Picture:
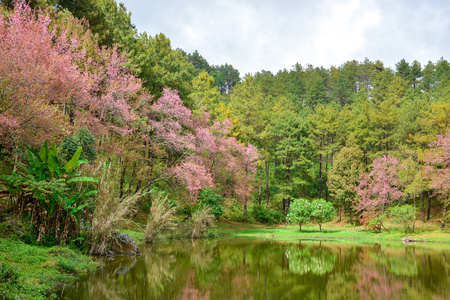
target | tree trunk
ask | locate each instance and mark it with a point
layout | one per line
(144, 153)
(245, 211)
(340, 208)
(122, 179)
(300, 224)
(133, 177)
(326, 178)
(429, 206)
(285, 206)
(267, 184)
(260, 186)
(444, 215)
(423, 207)
(275, 168)
(320, 176)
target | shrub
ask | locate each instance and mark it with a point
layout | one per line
(211, 198)
(404, 215)
(322, 211)
(267, 216)
(232, 211)
(83, 138)
(299, 212)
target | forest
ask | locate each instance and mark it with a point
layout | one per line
(101, 125)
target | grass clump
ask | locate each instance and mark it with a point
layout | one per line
(111, 212)
(203, 224)
(161, 218)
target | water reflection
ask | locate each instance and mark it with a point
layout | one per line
(256, 269)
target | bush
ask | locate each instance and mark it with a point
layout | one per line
(211, 198)
(322, 211)
(84, 139)
(404, 215)
(266, 216)
(233, 211)
(299, 212)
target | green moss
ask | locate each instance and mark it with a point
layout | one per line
(137, 236)
(34, 272)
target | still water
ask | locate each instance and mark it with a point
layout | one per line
(260, 269)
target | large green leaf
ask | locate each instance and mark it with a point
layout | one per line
(89, 194)
(78, 208)
(82, 179)
(44, 152)
(53, 163)
(32, 160)
(70, 201)
(71, 164)
(53, 166)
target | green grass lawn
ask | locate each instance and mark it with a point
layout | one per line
(36, 272)
(423, 232)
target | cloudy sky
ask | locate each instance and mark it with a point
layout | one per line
(255, 35)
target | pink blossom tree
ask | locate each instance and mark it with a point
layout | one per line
(438, 171)
(379, 188)
(36, 79)
(168, 120)
(206, 155)
(49, 82)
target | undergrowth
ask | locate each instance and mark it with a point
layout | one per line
(34, 272)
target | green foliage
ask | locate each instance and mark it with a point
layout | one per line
(377, 222)
(267, 216)
(42, 182)
(70, 144)
(8, 274)
(343, 176)
(299, 212)
(404, 215)
(322, 211)
(211, 198)
(232, 211)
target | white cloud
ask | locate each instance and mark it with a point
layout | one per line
(271, 35)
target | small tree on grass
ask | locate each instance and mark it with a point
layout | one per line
(322, 211)
(404, 215)
(299, 212)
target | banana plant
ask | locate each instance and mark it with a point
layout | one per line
(43, 177)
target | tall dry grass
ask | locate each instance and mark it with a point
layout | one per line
(110, 212)
(202, 223)
(161, 218)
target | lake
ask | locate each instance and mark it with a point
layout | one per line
(261, 269)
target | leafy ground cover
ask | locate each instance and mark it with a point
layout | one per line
(36, 272)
